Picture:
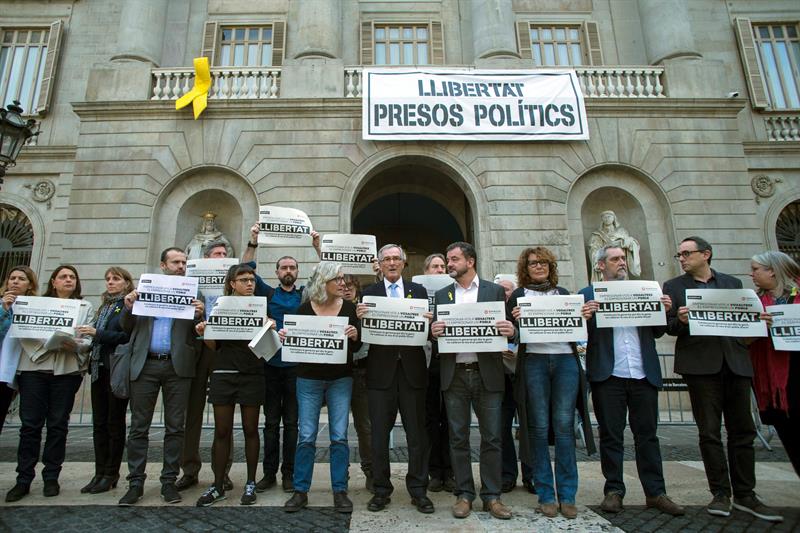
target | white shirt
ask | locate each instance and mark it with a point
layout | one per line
(400, 289)
(627, 353)
(467, 296)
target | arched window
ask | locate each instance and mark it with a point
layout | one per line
(787, 230)
(16, 239)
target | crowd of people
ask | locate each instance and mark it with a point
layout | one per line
(542, 383)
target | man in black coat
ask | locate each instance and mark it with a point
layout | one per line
(397, 377)
(718, 373)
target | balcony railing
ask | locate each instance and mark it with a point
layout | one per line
(605, 82)
(783, 127)
(226, 83)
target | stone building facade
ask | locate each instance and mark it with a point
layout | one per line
(692, 108)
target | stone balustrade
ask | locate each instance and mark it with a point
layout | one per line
(226, 83)
(601, 82)
(783, 127)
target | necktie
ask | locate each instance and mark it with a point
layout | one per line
(393, 291)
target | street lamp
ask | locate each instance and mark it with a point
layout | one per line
(14, 132)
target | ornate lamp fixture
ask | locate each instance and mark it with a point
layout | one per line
(14, 132)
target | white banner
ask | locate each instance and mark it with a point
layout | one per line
(629, 303)
(472, 105)
(471, 327)
(210, 274)
(725, 313)
(283, 226)
(165, 296)
(354, 252)
(785, 330)
(432, 283)
(395, 321)
(315, 339)
(236, 318)
(39, 317)
(553, 318)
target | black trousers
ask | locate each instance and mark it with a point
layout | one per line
(510, 469)
(108, 426)
(6, 396)
(713, 396)
(383, 407)
(613, 399)
(436, 424)
(280, 403)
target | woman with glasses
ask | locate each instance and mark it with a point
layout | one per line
(776, 373)
(237, 377)
(549, 380)
(332, 383)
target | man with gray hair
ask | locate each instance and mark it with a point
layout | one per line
(397, 377)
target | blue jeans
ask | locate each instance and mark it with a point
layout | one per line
(310, 393)
(552, 390)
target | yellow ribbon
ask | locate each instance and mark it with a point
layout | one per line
(198, 96)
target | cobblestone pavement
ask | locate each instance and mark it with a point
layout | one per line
(641, 520)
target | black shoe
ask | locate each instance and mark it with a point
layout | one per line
(249, 494)
(378, 503)
(227, 484)
(170, 494)
(528, 484)
(210, 497)
(287, 484)
(508, 485)
(341, 503)
(51, 488)
(423, 504)
(17, 492)
(86, 489)
(105, 484)
(296, 502)
(185, 482)
(449, 484)
(435, 485)
(134, 494)
(265, 483)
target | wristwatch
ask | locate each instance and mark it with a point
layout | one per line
(251, 245)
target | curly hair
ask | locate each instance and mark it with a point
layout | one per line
(543, 254)
(320, 276)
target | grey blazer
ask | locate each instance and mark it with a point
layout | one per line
(490, 363)
(140, 328)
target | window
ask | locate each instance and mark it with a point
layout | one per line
(247, 45)
(401, 43)
(27, 65)
(779, 54)
(559, 45)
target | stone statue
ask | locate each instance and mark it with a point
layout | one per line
(611, 233)
(208, 233)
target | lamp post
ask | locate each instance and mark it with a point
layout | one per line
(14, 132)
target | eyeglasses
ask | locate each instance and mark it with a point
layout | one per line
(395, 258)
(339, 280)
(685, 254)
(245, 281)
(538, 263)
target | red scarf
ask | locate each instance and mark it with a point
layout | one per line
(770, 368)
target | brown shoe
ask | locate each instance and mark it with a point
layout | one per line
(612, 503)
(568, 510)
(665, 505)
(462, 508)
(497, 509)
(550, 510)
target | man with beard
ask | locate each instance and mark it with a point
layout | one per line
(281, 399)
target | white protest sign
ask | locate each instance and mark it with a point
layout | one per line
(266, 343)
(725, 313)
(551, 318)
(472, 105)
(354, 252)
(471, 327)
(432, 283)
(236, 318)
(315, 339)
(39, 317)
(165, 296)
(629, 303)
(283, 226)
(785, 329)
(395, 321)
(210, 273)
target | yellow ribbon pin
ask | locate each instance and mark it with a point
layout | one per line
(198, 96)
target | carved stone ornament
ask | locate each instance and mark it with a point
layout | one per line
(43, 191)
(763, 186)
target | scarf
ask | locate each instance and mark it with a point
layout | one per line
(103, 316)
(540, 287)
(771, 366)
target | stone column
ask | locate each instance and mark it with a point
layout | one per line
(493, 29)
(315, 29)
(666, 29)
(141, 31)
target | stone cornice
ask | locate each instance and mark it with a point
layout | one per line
(771, 148)
(30, 154)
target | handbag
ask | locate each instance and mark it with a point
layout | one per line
(120, 362)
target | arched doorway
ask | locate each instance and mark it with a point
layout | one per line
(787, 230)
(16, 239)
(414, 205)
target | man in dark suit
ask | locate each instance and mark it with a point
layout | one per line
(718, 373)
(623, 369)
(163, 359)
(473, 380)
(397, 376)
